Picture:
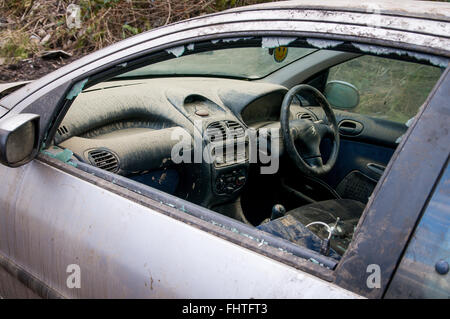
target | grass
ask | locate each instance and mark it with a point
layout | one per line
(103, 22)
(16, 45)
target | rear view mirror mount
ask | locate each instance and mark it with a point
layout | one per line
(19, 139)
(342, 95)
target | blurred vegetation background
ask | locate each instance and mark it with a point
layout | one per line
(28, 27)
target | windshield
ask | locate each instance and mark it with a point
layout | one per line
(250, 63)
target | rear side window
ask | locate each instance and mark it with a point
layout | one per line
(389, 89)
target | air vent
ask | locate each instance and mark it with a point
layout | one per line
(219, 131)
(104, 159)
(228, 144)
(235, 129)
(306, 116)
(216, 132)
(62, 130)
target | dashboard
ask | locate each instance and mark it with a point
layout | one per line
(131, 127)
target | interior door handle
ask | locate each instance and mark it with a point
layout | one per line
(350, 127)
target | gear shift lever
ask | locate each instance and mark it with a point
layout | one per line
(278, 211)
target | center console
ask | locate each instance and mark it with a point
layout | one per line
(228, 147)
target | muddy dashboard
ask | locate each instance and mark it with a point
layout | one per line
(132, 127)
(138, 120)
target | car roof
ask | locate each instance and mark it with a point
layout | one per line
(407, 8)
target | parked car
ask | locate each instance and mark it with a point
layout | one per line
(283, 150)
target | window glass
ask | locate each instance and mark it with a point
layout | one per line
(389, 89)
(251, 63)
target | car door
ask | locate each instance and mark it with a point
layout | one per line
(423, 270)
(62, 236)
(66, 232)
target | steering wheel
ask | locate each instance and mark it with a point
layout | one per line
(308, 134)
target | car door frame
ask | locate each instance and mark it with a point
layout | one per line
(351, 273)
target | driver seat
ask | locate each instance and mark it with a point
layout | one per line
(293, 223)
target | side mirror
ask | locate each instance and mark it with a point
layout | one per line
(19, 139)
(342, 95)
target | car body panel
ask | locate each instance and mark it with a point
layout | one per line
(416, 276)
(416, 9)
(51, 217)
(7, 88)
(12, 287)
(3, 111)
(154, 256)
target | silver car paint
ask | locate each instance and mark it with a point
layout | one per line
(127, 250)
(50, 219)
(4, 87)
(3, 111)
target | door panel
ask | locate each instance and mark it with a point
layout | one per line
(124, 249)
(364, 153)
(369, 129)
(362, 156)
(353, 176)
